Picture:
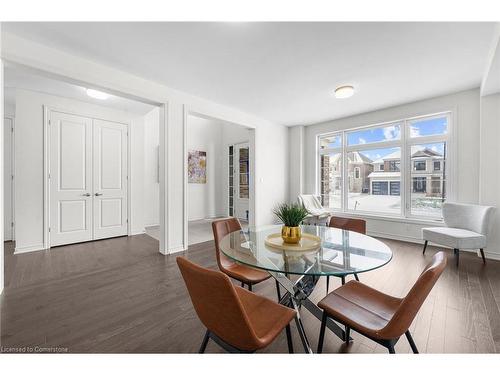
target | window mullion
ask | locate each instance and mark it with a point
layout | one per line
(374, 145)
(405, 172)
(344, 190)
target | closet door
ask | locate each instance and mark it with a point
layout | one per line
(70, 178)
(110, 179)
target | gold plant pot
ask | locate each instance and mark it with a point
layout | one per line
(291, 234)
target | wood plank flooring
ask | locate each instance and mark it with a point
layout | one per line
(120, 295)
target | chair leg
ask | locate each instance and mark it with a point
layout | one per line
(289, 338)
(356, 277)
(322, 332)
(327, 284)
(482, 255)
(204, 342)
(347, 334)
(425, 246)
(457, 255)
(343, 280)
(242, 284)
(411, 342)
(390, 347)
(278, 290)
(250, 287)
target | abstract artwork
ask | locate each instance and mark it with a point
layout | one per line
(197, 167)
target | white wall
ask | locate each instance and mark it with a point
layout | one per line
(1, 179)
(136, 178)
(204, 200)
(9, 110)
(213, 136)
(151, 178)
(270, 139)
(29, 162)
(465, 108)
(490, 167)
(296, 160)
(489, 182)
(271, 171)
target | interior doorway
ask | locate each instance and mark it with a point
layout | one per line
(239, 181)
(218, 172)
(78, 162)
(87, 178)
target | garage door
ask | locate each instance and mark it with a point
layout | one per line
(394, 187)
(380, 188)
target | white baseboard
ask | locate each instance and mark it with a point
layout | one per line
(136, 232)
(176, 249)
(490, 255)
(391, 236)
(28, 249)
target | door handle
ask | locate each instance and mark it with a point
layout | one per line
(86, 195)
(98, 194)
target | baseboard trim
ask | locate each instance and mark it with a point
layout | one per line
(28, 249)
(176, 249)
(395, 237)
(490, 255)
(135, 233)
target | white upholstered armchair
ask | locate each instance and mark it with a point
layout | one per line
(466, 228)
(318, 215)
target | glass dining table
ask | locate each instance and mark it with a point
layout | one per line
(341, 253)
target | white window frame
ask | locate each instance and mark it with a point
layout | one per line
(404, 143)
(450, 155)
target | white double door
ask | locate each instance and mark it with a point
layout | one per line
(87, 179)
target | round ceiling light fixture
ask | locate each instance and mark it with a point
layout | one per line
(97, 94)
(343, 92)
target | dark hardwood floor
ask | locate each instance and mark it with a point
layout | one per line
(120, 295)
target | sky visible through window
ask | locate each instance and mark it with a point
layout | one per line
(434, 126)
(366, 136)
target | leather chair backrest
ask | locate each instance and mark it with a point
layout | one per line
(467, 216)
(221, 228)
(410, 305)
(217, 304)
(356, 225)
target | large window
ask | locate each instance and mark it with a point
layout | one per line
(395, 169)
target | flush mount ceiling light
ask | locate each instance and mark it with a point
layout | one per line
(97, 94)
(343, 92)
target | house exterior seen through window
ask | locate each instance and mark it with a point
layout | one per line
(396, 169)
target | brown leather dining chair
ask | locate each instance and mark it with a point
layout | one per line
(238, 320)
(376, 315)
(355, 225)
(246, 275)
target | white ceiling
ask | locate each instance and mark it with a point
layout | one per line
(21, 79)
(285, 72)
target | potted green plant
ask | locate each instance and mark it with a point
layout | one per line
(292, 216)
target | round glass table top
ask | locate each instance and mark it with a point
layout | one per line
(342, 252)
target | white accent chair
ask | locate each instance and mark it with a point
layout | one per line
(318, 215)
(466, 228)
